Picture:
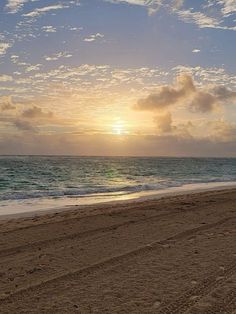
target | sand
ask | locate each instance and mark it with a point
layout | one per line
(172, 255)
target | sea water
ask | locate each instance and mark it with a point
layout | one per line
(29, 183)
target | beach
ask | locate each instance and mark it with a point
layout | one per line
(118, 157)
(176, 254)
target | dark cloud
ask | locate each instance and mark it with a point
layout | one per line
(164, 122)
(167, 95)
(24, 125)
(152, 145)
(222, 130)
(36, 113)
(185, 92)
(173, 145)
(223, 93)
(202, 102)
(6, 104)
(166, 126)
(28, 120)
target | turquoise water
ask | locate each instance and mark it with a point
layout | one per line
(27, 177)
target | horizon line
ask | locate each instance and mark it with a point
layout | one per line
(113, 156)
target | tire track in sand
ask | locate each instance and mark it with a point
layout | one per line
(176, 307)
(191, 297)
(77, 235)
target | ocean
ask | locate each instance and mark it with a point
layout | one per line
(37, 182)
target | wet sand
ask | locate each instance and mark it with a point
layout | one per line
(172, 255)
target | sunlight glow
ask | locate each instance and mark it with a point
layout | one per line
(119, 127)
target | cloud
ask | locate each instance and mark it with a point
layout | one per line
(151, 5)
(87, 88)
(196, 50)
(24, 125)
(13, 6)
(185, 92)
(228, 7)
(131, 145)
(93, 37)
(208, 75)
(178, 3)
(167, 95)
(36, 113)
(7, 106)
(57, 56)
(25, 116)
(5, 78)
(222, 131)
(49, 29)
(198, 18)
(164, 122)
(205, 17)
(202, 102)
(35, 67)
(39, 11)
(3, 48)
(165, 126)
(14, 58)
(27, 120)
(201, 15)
(6, 103)
(224, 93)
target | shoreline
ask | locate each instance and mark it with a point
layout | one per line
(174, 253)
(47, 206)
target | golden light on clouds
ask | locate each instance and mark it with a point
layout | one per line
(105, 87)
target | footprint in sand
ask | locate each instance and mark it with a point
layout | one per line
(191, 239)
(193, 282)
(194, 297)
(166, 246)
(157, 304)
(206, 303)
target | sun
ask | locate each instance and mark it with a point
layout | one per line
(118, 127)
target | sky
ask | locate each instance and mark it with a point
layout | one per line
(113, 77)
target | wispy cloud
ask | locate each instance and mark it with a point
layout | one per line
(228, 6)
(202, 17)
(57, 56)
(34, 67)
(39, 11)
(94, 37)
(202, 20)
(49, 29)
(151, 5)
(198, 18)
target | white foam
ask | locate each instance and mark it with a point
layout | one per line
(30, 207)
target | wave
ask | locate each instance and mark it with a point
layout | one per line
(103, 190)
